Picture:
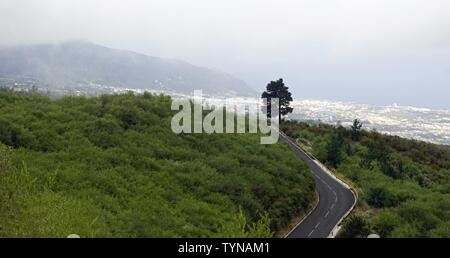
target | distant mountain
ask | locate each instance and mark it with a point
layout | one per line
(76, 63)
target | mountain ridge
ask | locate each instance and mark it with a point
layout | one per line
(74, 63)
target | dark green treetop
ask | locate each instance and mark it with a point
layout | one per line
(277, 89)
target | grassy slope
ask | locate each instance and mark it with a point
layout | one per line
(111, 166)
(409, 197)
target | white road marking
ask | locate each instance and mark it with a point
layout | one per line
(317, 225)
(322, 169)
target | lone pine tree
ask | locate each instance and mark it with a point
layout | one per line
(277, 89)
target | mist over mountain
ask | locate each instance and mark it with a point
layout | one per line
(77, 63)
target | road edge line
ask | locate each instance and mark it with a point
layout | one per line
(306, 216)
(336, 228)
(317, 193)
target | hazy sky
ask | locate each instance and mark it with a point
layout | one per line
(379, 52)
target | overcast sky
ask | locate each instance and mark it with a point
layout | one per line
(369, 51)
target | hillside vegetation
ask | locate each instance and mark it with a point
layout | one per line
(111, 166)
(403, 185)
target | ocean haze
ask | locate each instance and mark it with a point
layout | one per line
(425, 124)
(431, 125)
(370, 51)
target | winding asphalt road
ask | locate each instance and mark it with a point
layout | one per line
(335, 199)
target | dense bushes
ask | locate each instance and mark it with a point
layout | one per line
(404, 185)
(111, 166)
(354, 226)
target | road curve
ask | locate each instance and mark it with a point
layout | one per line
(335, 199)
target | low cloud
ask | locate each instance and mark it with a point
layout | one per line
(256, 39)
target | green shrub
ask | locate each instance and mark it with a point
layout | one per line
(404, 184)
(111, 166)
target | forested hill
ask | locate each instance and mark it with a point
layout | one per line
(111, 166)
(403, 185)
(79, 65)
